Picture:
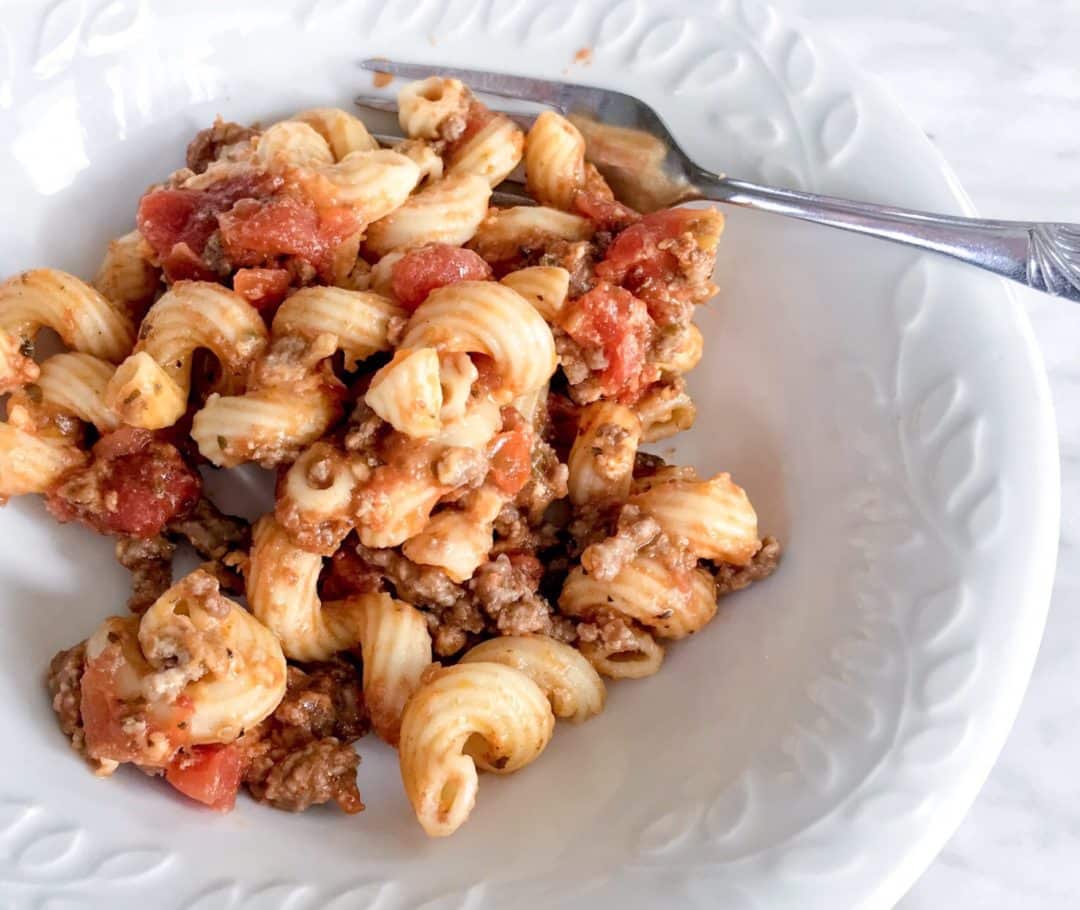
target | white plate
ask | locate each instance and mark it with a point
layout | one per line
(888, 413)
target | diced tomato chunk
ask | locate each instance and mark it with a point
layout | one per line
(252, 230)
(178, 223)
(208, 774)
(107, 718)
(637, 248)
(262, 288)
(135, 485)
(665, 259)
(256, 232)
(510, 453)
(421, 271)
(618, 323)
(103, 711)
(260, 219)
(169, 217)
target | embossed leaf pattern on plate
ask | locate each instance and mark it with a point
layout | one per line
(112, 25)
(129, 865)
(941, 438)
(838, 128)
(58, 37)
(617, 24)
(48, 848)
(703, 75)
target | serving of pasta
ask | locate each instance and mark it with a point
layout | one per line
(465, 538)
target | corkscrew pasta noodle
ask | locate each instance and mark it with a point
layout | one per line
(601, 459)
(554, 161)
(150, 388)
(48, 298)
(475, 715)
(425, 106)
(360, 320)
(343, 132)
(545, 287)
(126, 277)
(638, 658)
(715, 516)
(216, 654)
(483, 317)
(573, 687)
(445, 211)
(282, 589)
(492, 153)
(670, 604)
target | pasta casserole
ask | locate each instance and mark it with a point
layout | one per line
(466, 538)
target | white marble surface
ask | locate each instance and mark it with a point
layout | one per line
(997, 87)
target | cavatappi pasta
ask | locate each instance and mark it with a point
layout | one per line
(545, 287)
(601, 461)
(343, 132)
(292, 399)
(359, 320)
(445, 211)
(554, 161)
(492, 152)
(570, 682)
(46, 298)
(464, 538)
(473, 716)
(150, 389)
(126, 277)
(492, 320)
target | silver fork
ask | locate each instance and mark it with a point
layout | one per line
(633, 149)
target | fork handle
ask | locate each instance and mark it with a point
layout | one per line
(1042, 255)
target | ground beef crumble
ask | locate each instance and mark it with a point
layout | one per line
(507, 594)
(302, 755)
(502, 598)
(547, 481)
(731, 578)
(150, 562)
(65, 685)
(209, 143)
(578, 258)
(613, 632)
(424, 586)
(221, 540)
(306, 775)
(606, 558)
